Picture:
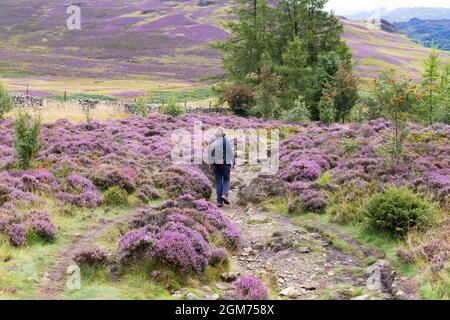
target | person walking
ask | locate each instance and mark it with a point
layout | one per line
(221, 158)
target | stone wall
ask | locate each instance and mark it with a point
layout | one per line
(37, 102)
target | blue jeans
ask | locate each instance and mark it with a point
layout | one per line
(222, 175)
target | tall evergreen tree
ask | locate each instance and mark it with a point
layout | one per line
(251, 37)
(430, 84)
(299, 40)
(346, 85)
(444, 88)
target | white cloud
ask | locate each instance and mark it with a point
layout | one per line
(353, 6)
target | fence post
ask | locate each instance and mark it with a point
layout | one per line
(185, 103)
(65, 96)
(210, 104)
(28, 90)
(162, 105)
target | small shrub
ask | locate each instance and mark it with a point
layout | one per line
(350, 146)
(312, 200)
(327, 110)
(42, 226)
(178, 180)
(147, 193)
(251, 288)
(178, 250)
(172, 109)
(26, 142)
(125, 178)
(299, 113)
(218, 257)
(240, 99)
(140, 107)
(91, 257)
(17, 235)
(397, 211)
(115, 196)
(87, 114)
(6, 102)
(325, 179)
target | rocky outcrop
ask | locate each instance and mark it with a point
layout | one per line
(261, 188)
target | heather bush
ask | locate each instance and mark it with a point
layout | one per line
(397, 211)
(312, 200)
(179, 180)
(17, 235)
(27, 132)
(218, 257)
(91, 257)
(135, 244)
(125, 178)
(147, 193)
(6, 102)
(176, 250)
(172, 108)
(115, 196)
(250, 288)
(78, 191)
(178, 234)
(42, 227)
(240, 99)
(302, 170)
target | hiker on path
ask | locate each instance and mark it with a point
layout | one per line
(221, 158)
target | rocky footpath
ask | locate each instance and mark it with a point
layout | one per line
(299, 262)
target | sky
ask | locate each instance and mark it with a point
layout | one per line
(342, 7)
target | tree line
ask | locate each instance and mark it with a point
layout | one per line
(288, 61)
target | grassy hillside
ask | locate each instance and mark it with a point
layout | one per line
(376, 50)
(129, 48)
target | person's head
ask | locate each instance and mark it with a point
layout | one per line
(220, 133)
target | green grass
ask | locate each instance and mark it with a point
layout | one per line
(96, 284)
(83, 96)
(387, 245)
(436, 290)
(197, 94)
(13, 75)
(21, 269)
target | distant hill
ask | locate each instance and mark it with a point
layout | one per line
(152, 40)
(403, 14)
(406, 14)
(376, 50)
(427, 32)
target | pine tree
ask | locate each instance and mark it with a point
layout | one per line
(295, 39)
(444, 88)
(430, 84)
(6, 102)
(251, 37)
(327, 110)
(346, 87)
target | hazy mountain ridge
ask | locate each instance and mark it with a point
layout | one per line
(403, 14)
(428, 32)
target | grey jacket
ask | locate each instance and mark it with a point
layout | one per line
(215, 152)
